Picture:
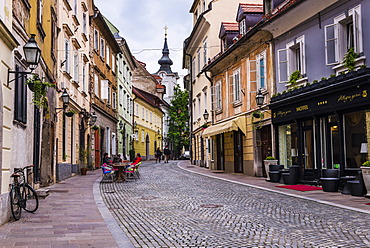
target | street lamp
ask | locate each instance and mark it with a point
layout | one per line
(65, 98)
(205, 115)
(32, 52)
(259, 98)
(93, 118)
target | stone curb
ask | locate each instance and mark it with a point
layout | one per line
(119, 236)
(276, 191)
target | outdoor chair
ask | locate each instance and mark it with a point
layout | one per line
(133, 172)
(330, 180)
(108, 174)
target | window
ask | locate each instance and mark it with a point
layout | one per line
(66, 55)
(105, 90)
(142, 136)
(120, 96)
(199, 107)
(194, 110)
(343, 34)
(216, 99)
(39, 11)
(261, 70)
(96, 40)
(205, 98)
(84, 78)
(151, 117)
(75, 66)
(291, 59)
(124, 100)
(147, 116)
(96, 84)
(193, 69)
(20, 97)
(128, 103)
(114, 99)
(108, 56)
(109, 96)
(136, 109)
(205, 52)
(242, 27)
(199, 61)
(131, 107)
(142, 113)
(84, 23)
(234, 82)
(75, 7)
(102, 48)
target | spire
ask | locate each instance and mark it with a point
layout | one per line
(165, 61)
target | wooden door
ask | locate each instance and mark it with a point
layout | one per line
(97, 148)
(238, 151)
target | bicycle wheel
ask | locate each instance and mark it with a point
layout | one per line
(31, 199)
(15, 203)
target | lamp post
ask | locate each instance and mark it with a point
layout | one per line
(205, 115)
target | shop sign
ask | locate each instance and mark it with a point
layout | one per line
(322, 104)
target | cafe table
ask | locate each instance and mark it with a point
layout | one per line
(120, 166)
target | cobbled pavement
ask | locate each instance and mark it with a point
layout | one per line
(170, 207)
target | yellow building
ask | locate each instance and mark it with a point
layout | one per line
(148, 123)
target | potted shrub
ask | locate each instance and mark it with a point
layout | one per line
(269, 160)
(39, 89)
(69, 113)
(84, 171)
(365, 168)
(95, 127)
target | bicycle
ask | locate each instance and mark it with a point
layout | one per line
(22, 195)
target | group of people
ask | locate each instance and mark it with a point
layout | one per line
(108, 163)
(166, 153)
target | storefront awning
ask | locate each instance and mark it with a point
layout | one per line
(231, 125)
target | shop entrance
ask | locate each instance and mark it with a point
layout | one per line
(266, 145)
(220, 152)
(308, 157)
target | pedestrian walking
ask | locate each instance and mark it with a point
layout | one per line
(158, 155)
(167, 154)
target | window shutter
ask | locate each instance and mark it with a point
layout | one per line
(219, 96)
(331, 44)
(237, 86)
(231, 88)
(253, 75)
(104, 89)
(302, 56)
(283, 65)
(96, 85)
(357, 30)
(75, 69)
(213, 98)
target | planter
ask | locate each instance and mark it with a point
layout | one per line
(31, 86)
(267, 167)
(84, 171)
(366, 177)
(69, 114)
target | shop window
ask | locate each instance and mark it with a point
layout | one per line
(288, 144)
(357, 131)
(344, 33)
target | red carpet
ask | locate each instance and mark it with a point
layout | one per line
(367, 203)
(300, 187)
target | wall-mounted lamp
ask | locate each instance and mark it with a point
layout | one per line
(259, 98)
(65, 100)
(121, 125)
(93, 118)
(205, 115)
(32, 54)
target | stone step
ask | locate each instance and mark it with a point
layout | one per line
(43, 193)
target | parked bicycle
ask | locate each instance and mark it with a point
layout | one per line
(22, 195)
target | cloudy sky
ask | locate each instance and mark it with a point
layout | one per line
(142, 22)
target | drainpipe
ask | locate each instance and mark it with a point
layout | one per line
(211, 81)
(191, 108)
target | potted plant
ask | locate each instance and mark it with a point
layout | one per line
(365, 168)
(95, 127)
(39, 89)
(84, 171)
(269, 160)
(69, 113)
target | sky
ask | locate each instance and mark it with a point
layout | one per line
(142, 22)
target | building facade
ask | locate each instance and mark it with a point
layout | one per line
(240, 128)
(202, 44)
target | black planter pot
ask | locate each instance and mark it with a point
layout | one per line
(256, 115)
(31, 86)
(69, 114)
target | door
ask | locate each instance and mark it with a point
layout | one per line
(220, 152)
(238, 151)
(36, 144)
(202, 159)
(308, 157)
(82, 151)
(266, 145)
(97, 149)
(147, 141)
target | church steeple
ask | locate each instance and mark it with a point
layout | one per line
(165, 61)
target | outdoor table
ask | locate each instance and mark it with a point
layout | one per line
(344, 180)
(120, 166)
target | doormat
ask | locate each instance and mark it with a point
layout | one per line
(300, 187)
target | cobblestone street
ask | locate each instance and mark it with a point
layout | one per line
(170, 207)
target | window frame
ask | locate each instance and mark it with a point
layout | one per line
(259, 57)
